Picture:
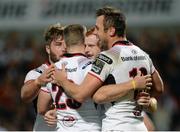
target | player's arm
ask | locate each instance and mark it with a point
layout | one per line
(158, 86)
(44, 102)
(31, 88)
(44, 107)
(78, 92)
(148, 122)
(109, 93)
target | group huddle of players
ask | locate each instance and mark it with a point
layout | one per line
(90, 82)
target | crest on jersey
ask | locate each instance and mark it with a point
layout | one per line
(69, 121)
(105, 58)
(134, 51)
(38, 70)
(97, 66)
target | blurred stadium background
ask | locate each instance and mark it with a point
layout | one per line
(154, 25)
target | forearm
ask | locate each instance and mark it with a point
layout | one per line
(71, 89)
(44, 102)
(158, 86)
(43, 109)
(30, 91)
(109, 93)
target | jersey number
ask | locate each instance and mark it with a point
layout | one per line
(133, 73)
(71, 103)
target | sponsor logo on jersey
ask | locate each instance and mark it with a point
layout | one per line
(105, 58)
(133, 51)
(71, 69)
(97, 66)
(38, 70)
(69, 121)
(133, 58)
(90, 62)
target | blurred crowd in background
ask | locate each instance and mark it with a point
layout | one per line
(21, 52)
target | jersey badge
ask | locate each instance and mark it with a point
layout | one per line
(69, 121)
(97, 66)
(105, 58)
(38, 70)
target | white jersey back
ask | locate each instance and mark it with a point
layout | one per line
(118, 65)
(72, 115)
(39, 124)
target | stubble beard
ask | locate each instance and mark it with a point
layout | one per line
(54, 57)
(103, 44)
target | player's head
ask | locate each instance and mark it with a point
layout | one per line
(92, 45)
(74, 35)
(55, 46)
(110, 22)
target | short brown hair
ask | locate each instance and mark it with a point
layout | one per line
(74, 34)
(52, 32)
(113, 18)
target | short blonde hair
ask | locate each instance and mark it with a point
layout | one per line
(74, 34)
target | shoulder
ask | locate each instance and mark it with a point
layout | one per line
(109, 56)
(84, 63)
(36, 72)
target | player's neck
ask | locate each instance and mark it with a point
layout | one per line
(114, 39)
(76, 49)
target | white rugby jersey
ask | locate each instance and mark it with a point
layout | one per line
(39, 124)
(72, 115)
(117, 65)
(35, 73)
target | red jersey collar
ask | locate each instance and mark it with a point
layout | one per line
(73, 54)
(48, 63)
(123, 43)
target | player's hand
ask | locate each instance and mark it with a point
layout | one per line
(143, 82)
(153, 105)
(59, 75)
(45, 77)
(143, 99)
(50, 117)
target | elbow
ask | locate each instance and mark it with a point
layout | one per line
(99, 98)
(160, 89)
(24, 97)
(79, 99)
(41, 111)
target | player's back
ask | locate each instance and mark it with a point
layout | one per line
(126, 60)
(73, 115)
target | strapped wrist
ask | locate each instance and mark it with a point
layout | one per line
(133, 84)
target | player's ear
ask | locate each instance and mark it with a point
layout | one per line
(48, 49)
(112, 31)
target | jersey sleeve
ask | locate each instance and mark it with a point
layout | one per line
(152, 68)
(101, 67)
(32, 75)
(58, 64)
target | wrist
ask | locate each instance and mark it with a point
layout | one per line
(37, 82)
(133, 84)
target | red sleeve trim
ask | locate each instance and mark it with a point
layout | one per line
(44, 90)
(95, 76)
